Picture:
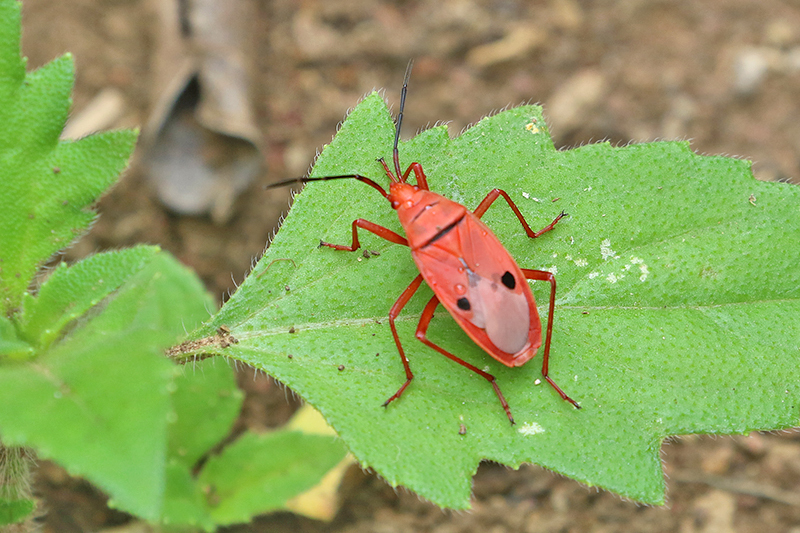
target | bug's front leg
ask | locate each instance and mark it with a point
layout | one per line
(380, 231)
(494, 194)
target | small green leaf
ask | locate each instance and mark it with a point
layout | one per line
(97, 401)
(48, 185)
(71, 290)
(12, 348)
(672, 268)
(259, 473)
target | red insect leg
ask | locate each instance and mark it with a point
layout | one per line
(380, 231)
(539, 275)
(495, 193)
(407, 294)
(422, 180)
(393, 313)
(401, 302)
(422, 329)
(542, 275)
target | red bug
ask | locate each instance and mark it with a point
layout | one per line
(470, 272)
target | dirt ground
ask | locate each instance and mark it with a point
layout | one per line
(724, 73)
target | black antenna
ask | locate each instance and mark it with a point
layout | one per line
(359, 177)
(403, 92)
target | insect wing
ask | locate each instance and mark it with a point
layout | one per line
(481, 286)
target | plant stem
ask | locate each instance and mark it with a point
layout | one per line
(15, 486)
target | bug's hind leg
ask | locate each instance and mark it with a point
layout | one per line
(543, 275)
(422, 329)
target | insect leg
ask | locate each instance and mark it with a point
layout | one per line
(542, 275)
(422, 329)
(380, 231)
(496, 193)
(422, 180)
(393, 312)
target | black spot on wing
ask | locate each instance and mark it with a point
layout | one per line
(508, 280)
(463, 304)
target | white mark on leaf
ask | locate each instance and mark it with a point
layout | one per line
(642, 267)
(530, 428)
(645, 272)
(606, 251)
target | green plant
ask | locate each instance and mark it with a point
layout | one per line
(83, 376)
(676, 273)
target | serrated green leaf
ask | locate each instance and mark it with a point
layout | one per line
(97, 401)
(72, 290)
(676, 274)
(48, 185)
(259, 473)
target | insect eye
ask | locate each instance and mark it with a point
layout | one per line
(463, 304)
(508, 280)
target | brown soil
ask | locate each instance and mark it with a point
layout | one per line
(624, 71)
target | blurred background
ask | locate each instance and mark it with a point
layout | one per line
(724, 74)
